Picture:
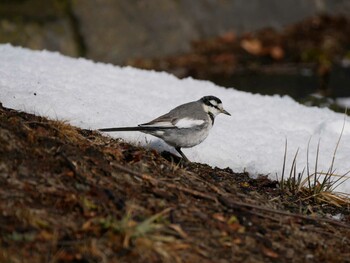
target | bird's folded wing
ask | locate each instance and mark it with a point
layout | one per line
(162, 124)
(188, 123)
(163, 121)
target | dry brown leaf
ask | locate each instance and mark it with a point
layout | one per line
(252, 46)
(269, 252)
(229, 37)
(237, 241)
(277, 53)
(219, 217)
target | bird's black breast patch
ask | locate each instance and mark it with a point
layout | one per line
(211, 115)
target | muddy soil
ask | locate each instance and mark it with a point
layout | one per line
(72, 195)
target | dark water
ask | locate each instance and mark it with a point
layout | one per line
(297, 83)
(296, 86)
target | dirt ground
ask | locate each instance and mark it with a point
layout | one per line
(72, 195)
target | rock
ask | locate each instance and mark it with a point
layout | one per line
(116, 31)
(38, 24)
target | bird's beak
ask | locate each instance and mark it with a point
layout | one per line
(225, 112)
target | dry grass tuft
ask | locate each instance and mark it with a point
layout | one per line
(318, 185)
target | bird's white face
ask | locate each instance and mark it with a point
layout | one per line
(214, 107)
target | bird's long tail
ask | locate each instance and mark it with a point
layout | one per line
(138, 128)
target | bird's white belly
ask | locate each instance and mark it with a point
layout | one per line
(185, 138)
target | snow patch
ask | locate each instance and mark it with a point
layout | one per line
(95, 95)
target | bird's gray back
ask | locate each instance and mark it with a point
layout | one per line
(191, 110)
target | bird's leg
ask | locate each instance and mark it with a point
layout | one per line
(178, 149)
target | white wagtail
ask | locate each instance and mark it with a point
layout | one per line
(184, 126)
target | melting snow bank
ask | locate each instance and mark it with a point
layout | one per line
(95, 95)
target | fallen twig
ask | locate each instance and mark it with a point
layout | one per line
(234, 204)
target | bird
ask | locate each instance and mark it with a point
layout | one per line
(185, 126)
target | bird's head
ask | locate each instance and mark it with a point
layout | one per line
(213, 105)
